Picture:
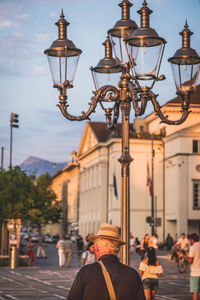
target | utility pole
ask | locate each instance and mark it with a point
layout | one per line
(2, 156)
(13, 123)
(152, 194)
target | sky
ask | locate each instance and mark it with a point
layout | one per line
(26, 88)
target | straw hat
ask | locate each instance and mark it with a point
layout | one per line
(107, 231)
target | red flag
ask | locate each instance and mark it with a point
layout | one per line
(149, 181)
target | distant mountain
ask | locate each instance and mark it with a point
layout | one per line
(38, 166)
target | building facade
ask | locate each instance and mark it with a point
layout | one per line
(170, 152)
(65, 184)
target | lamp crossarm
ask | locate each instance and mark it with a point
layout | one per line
(106, 93)
(164, 119)
(140, 110)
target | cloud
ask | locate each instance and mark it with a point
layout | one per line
(43, 37)
(38, 70)
(7, 23)
(22, 17)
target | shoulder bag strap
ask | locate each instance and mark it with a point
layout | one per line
(108, 281)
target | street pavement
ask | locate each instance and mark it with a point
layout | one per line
(46, 280)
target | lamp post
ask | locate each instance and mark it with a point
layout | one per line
(152, 187)
(138, 55)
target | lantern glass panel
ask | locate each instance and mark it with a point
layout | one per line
(119, 48)
(185, 76)
(101, 79)
(146, 60)
(63, 68)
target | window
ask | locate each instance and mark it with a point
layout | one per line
(141, 128)
(196, 146)
(196, 194)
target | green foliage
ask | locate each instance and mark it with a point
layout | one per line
(15, 191)
(27, 198)
(45, 209)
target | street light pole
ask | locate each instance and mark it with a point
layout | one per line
(11, 140)
(125, 161)
(2, 157)
(138, 56)
(13, 123)
(152, 188)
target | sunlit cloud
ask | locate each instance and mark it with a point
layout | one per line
(7, 23)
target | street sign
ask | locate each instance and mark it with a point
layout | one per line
(153, 221)
(149, 220)
(157, 222)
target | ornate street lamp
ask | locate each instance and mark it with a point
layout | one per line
(138, 56)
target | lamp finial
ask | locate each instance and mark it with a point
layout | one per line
(62, 14)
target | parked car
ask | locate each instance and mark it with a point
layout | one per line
(49, 238)
(35, 237)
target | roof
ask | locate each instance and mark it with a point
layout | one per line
(194, 100)
(103, 134)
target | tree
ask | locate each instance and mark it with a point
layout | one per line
(15, 193)
(45, 208)
(26, 198)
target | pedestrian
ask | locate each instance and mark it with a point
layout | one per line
(89, 256)
(169, 242)
(61, 251)
(132, 245)
(68, 249)
(80, 244)
(182, 243)
(41, 248)
(194, 260)
(150, 269)
(29, 248)
(144, 245)
(90, 282)
(154, 241)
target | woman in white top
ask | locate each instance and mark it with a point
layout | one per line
(61, 251)
(89, 256)
(150, 269)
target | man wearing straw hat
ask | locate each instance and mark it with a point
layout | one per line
(107, 279)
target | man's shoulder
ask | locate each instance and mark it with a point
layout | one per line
(128, 269)
(89, 270)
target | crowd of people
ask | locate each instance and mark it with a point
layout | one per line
(97, 248)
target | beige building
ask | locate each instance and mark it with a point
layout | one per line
(97, 154)
(176, 173)
(65, 185)
(90, 186)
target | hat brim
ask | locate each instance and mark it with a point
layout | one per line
(92, 238)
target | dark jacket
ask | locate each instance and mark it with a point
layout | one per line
(89, 283)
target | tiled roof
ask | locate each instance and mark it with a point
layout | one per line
(103, 134)
(194, 100)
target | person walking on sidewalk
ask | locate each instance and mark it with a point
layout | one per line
(108, 278)
(150, 269)
(30, 252)
(68, 249)
(41, 248)
(194, 260)
(61, 251)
